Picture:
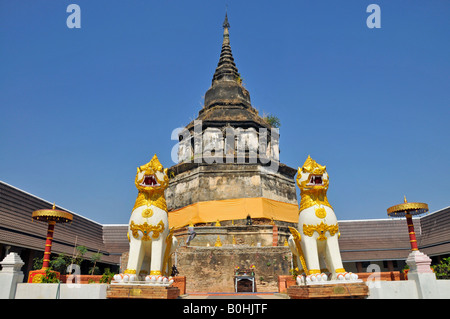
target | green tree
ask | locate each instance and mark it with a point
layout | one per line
(442, 270)
(272, 120)
(60, 263)
(107, 276)
(37, 263)
(79, 255)
(94, 258)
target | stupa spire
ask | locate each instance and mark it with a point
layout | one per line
(226, 68)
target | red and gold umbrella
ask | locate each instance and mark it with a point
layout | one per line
(51, 217)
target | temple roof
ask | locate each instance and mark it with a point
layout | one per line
(227, 100)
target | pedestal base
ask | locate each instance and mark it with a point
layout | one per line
(420, 271)
(358, 290)
(37, 276)
(419, 262)
(130, 291)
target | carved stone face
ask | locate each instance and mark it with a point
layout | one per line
(152, 177)
(312, 176)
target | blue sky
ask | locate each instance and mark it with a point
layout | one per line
(82, 108)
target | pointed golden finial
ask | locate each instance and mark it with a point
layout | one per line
(218, 223)
(53, 205)
(218, 242)
(404, 196)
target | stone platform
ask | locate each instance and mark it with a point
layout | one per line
(339, 290)
(137, 291)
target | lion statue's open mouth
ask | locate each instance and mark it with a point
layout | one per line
(152, 177)
(150, 181)
(315, 180)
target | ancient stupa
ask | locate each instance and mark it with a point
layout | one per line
(228, 159)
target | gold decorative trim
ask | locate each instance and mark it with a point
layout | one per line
(147, 213)
(309, 200)
(156, 199)
(37, 279)
(314, 271)
(130, 271)
(297, 238)
(146, 228)
(406, 208)
(321, 212)
(52, 215)
(166, 260)
(339, 270)
(321, 229)
(155, 273)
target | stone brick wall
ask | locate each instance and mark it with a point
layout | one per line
(193, 183)
(211, 269)
(262, 234)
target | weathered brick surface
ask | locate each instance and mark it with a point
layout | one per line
(211, 269)
(141, 292)
(329, 291)
(284, 282)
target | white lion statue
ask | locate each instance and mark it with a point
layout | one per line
(315, 244)
(151, 240)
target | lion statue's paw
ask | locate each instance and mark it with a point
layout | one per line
(346, 276)
(159, 280)
(125, 278)
(302, 279)
(316, 277)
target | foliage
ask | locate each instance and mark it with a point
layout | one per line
(94, 270)
(272, 120)
(50, 277)
(107, 276)
(78, 258)
(60, 263)
(37, 263)
(294, 272)
(239, 79)
(94, 258)
(442, 270)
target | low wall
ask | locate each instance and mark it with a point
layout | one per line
(285, 281)
(424, 286)
(387, 285)
(81, 279)
(82, 290)
(66, 291)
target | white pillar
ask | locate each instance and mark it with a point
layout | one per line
(420, 272)
(10, 275)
